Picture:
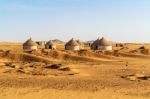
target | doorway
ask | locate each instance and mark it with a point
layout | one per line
(96, 48)
(50, 46)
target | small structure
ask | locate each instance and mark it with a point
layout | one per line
(41, 44)
(101, 44)
(50, 45)
(72, 45)
(30, 45)
(81, 44)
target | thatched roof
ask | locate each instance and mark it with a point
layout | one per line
(72, 42)
(102, 42)
(50, 43)
(95, 42)
(30, 42)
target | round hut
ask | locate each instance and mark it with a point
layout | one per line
(81, 44)
(41, 44)
(72, 45)
(101, 44)
(30, 45)
(50, 45)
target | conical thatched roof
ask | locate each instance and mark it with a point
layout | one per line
(72, 42)
(95, 42)
(102, 42)
(30, 42)
(50, 43)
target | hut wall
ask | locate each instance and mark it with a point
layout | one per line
(104, 47)
(41, 46)
(29, 48)
(72, 47)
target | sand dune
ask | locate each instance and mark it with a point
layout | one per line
(86, 74)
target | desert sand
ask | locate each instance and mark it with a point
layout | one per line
(123, 73)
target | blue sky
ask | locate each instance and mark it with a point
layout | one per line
(117, 20)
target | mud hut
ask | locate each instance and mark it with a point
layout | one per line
(50, 45)
(81, 44)
(72, 45)
(101, 44)
(41, 44)
(30, 45)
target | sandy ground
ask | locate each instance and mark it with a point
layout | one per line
(104, 77)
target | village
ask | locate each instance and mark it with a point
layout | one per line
(74, 49)
(99, 44)
(54, 68)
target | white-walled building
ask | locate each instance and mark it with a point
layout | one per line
(50, 45)
(30, 45)
(72, 45)
(101, 44)
(81, 44)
